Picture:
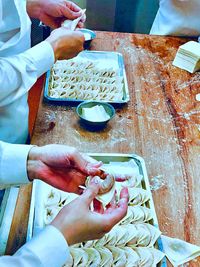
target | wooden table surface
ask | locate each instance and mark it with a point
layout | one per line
(161, 123)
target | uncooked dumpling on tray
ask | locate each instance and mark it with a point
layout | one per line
(107, 185)
(149, 257)
(94, 257)
(127, 171)
(133, 235)
(137, 214)
(119, 256)
(137, 196)
(76, 79)
(131, 242)
(54, 202)
(114, 256)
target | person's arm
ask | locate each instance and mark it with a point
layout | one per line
(13, 164)
(18, 73)
(61, 166)
(75, 223)
(48, 249)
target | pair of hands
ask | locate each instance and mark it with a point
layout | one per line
(53, 12)
(65, 168)
(65, 43)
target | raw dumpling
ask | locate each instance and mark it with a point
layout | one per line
(138, 196)
(144, 234)
(105, 198)
(106, 257)
(132, 258)
(127, 171)
(94, 258)
(119, 257)
(78, 75)
(72, 24)
(149, 257)
(137, 214)
(80, 257)
(53, 198)
(50, 214)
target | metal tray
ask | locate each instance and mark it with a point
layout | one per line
(36, 223)
(112, 59)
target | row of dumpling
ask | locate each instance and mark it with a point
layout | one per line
(85, 95)
(125, 170)
(84, 87)
(56, 199)
(131, 235)
(114, 257)
(106, 72)
(86, 64)
(135, 214)
(86, 79)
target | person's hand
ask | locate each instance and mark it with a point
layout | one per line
(53, 12)
(66, 44)
(61, 166)
(78, 223)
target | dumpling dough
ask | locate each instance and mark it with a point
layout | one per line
(95, 114)
(72, 24)
(105, 198)
(188, 57)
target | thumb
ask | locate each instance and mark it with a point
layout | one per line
(92, 191)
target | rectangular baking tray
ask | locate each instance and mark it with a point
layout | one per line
(36, 223)
(112, 59)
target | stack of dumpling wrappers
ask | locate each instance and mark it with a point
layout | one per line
(188, 57)
(128, 244)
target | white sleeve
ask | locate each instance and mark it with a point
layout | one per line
(13, 164)
(18, 73)
(48, 249)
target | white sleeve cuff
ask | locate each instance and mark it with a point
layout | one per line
(42, 55)
(13, 164)
(49, 246)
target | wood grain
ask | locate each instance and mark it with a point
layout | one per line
(161, 123)
(17, 236)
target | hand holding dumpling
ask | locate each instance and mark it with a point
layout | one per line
(78, 223)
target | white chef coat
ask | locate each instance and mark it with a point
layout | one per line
(19, 69)
(49, 248)
(177, 17)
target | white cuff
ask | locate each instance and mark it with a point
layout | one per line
(42, 56)
(49, 246)
(13, 164)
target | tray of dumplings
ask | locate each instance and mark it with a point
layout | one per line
(133, 242)
(92, 75)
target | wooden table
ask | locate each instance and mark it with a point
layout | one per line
(161, 123)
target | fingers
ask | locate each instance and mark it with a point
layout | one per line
(86, 164)
(91, 192)
(73, 6)
(124, 194)
(72, 11)
(114, 215)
